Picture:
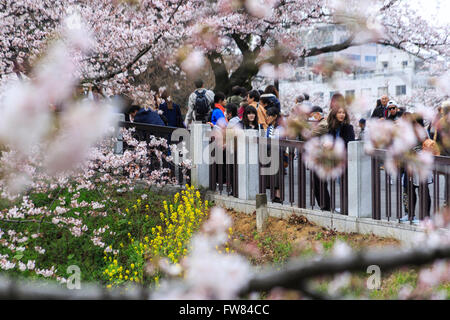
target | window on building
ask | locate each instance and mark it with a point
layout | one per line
(354, 57)
(382, 91)
(400, 90)
(404, 64)
(385, 64)
(332, 93)
(318, 95)
(370, 58)
(349, 94)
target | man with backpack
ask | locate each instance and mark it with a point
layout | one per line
(199, 104)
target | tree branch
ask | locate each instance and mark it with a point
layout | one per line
(299, 271)
(293, 276)
(331, 48)
(141, 53)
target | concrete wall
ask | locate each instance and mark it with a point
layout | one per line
(403, 232)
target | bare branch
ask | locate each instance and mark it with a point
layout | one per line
(298, 271)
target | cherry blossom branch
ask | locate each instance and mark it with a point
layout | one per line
(295, 272)
(141, 53)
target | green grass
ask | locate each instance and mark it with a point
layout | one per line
(63, 249)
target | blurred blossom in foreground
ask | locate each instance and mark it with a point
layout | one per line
(326, 156)
(401, 140)
(207, 273)
(260, 8)
(81, 127)
(282, 71)
(193, 63)
(36, 136)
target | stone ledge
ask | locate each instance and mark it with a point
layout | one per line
(401, 231)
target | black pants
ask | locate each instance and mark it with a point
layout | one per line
(427, 200)
(326, 196)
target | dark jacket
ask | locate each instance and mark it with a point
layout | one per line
(379, 112)
(174, 118)
(346, 132)
(148, 117)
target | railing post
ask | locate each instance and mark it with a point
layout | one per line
(118, 146)
(359, 181)
(261, 212)
(247, 156)
(198, 145)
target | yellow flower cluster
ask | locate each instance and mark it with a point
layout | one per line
(117, 274)
(180, 220)
(227, 244)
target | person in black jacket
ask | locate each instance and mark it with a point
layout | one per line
(171, 111)
(339, 125)
(380, 109)
(131, 113)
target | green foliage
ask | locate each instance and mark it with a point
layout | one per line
(282, 251)
(62, 247)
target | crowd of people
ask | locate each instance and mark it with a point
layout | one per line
(261, 110)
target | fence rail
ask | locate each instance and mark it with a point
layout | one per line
(297, 185)
(292, 165)
(406, 185)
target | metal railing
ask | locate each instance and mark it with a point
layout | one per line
(408, 190)
(224, 173)
(292, 166)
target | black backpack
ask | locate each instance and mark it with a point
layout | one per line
(201, 106)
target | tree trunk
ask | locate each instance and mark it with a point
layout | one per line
(220, 73)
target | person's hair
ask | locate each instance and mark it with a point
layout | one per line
(332, 120)
(236, 91)
(337, 101)
(198, 83)
(316, 109)
(446, 106)
(232, 109)
(261, 92)
(300, 98)
(273, 111)
(417, 118)
(243, 92)
(407, 115)
(125, 101)
(306, 96)
(219, 96)
(166, 95)
(254, 94)
(267, 102)
(154, 88)
(133, 108)
(271, 89)
(247, 110)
